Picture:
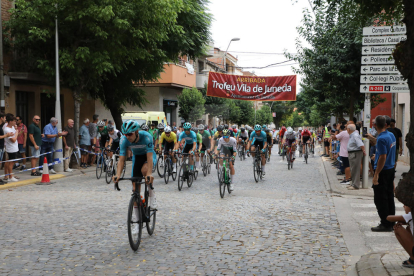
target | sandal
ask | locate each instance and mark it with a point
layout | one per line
(408, 263)
(35, 174)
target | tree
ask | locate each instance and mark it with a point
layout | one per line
(191, 103)
(294, 120)
(246, 112)
(264, 115)
(102, 40)
(282, 110)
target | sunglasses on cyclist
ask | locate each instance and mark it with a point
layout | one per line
(226, 137)
(129, 134)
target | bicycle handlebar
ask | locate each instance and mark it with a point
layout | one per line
(137, 180)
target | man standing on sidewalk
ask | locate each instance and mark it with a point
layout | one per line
(50, 134)
(356, 151)
(21, 140)
(384, 175)
(35, 143)
(69, 143)
(343, 137)
(398, 139)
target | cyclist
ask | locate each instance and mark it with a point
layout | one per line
(226, 126)
(189, 138)
(199, 146)
(114, 138)
(281, 135)
(258, 138)
(299, 139)
(242, 136)
(205, 137)
(227, 146)
(141, 144)
(269, 141)
(305, 139)
(289, 140)
(217, 136)
(160, 131)
(168, 140)
(102, 131)
(144, 127)
(235, 129)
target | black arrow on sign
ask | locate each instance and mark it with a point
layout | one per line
(366, 59)
(365, 78)
(366, 50)
(365, 69)
(365, 88)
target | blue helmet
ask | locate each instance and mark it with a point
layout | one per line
(187, 126)
(257, 127)
(129, 126)
(264, 127)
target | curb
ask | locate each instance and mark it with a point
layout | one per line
(29, 181)
(371, 264)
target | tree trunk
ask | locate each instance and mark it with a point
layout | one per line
(77, 98)
(117, 115)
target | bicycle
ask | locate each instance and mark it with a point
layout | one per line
(100, 163)
(306, 153)
(257, 165)
(206, 164)
(224, 178)
(112, 166)
(145, 212)
(186, 173)
(241, 150)
(160, 164)
(168, 168)
(289, 157)
(312, 148)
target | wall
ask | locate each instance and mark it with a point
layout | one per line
(402, 117)
(384, 108)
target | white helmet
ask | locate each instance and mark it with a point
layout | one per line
(300, 129)
(100, 123)
(167, 129)
(289, 130)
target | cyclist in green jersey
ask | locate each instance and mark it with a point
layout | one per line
(216, 137)
(199, 146)
(206, 137)
(154, 133)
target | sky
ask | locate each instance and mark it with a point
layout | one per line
(265, 26)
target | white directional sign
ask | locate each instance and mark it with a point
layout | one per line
(385, 59)
(391, 88)
(382, 79)
(385, 30)
(378, 50)
(379, 69)
(383, 40)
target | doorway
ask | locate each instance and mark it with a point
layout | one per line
(48, 107)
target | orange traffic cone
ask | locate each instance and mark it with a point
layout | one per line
(45, 174)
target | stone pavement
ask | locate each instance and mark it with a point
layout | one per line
(384, 254)
(284, 225)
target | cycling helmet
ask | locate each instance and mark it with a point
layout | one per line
(130, 126)
(230, 129)
(100, 124)
(174, 128)
(234, 126)
(257, 127)
(167, 129)
(267, 130)
(242, 129)
(160, 126)
(110, 127)
(144, 127)
(187, 126)
(249, 128)
(194, 129)
(226, 126)
(264, 126)
(300, 129)
(289, 130)
(220, 128)
(226, 132)
(200, 127)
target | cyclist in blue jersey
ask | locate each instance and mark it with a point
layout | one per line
(142, 147)
(258, 139)
(190, 139)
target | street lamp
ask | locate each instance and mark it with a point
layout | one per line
(225, 53)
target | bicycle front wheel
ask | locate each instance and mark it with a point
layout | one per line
(166, 172)
(181, 178)
(160, 166)
(222, 182)
(108, 174)
(99, 166)
(190, 177)
(256, 171)
(151, 216)
(134, 221)
(174, 174)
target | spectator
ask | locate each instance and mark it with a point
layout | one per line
(373, 130)
(84, 142)
(356, 151)
(2, 139)
(35, 143)
(12, 147)
(92, 133)
(398, 138)
(384, 176)
(50, 132)
(343, 137)
(21, 140)
(326, 137)
(69, 143)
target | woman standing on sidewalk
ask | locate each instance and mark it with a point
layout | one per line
(12, 146)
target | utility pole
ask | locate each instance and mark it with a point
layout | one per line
(58, 141)
(2, 101)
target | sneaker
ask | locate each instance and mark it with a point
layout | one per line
(345, 182)
(231, 187)
(23, 167)
(53, 171)
(134, 229)
(69, 170)
(153, 202)
(381, 228)
(263, 174)
(13, 179)
(15, 166)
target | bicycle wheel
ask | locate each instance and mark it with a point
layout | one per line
(160, 166)
(228, 185)
(99, 166)
(204, 164)
(166, 171)
(256, 171)
(174, 174)
(288, 158)
(150, 214)
(190, 177)
(108, 175)
(134, 239)
(222, 182)
(181, 179)
(195, 173)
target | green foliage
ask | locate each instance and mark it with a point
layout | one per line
(294, 120)
(317, 116)
(246, 112)
(264, 115)
(191, 103)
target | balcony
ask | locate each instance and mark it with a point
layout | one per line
(175, 75)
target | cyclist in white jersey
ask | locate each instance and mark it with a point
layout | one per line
(227, 146)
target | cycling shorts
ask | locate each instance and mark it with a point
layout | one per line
(115, 145)
(188, 148)
(103, 140)
(138, 162)
(168, 147)
(227, 151)
(269, 140)
(258, 144)
(289, 142)
(243, 138)
(306, 138)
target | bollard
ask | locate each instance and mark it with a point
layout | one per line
(365, 165)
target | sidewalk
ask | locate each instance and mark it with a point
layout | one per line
(375, 263)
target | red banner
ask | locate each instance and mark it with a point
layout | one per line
(252, 88)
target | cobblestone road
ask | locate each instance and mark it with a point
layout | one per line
(284, 225)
